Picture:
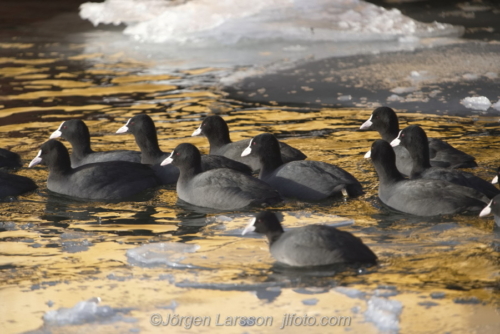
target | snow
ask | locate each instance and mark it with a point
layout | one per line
(476, 103)
(384, 313)
(233, 21)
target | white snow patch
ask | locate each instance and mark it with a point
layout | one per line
(476, 102)
(384, 313)
(496, 105)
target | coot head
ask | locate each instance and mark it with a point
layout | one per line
(263, 145)
(184, 155)
(72, 130)
(138, 123)
(264, 222)
(53, 154)
(212, 125)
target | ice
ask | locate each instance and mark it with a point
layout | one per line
(395, 98)
(384, 313)
(165, 253)
(74, 242)
(470, 76)
(476, 103)
(496, 105)
(85, 312)
(402, 90)
(344, 98)
(350, 292)
(232, 21)
(310, 302)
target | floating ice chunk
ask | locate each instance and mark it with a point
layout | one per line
(476, 102)
(491, 75)
(350, 292)
(85, 312)
(395, 98)
(311, 301)
(384, 313)
(402, 90)
(496, 105)
(344, 98)
(165, 253)
(470, 76)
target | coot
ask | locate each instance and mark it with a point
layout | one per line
(77, 133)
(311, 245)
(111, 180)
(222, 188)
(421, 197)
(217, 133)
(305, 180)
(14, 185)
(9, 159)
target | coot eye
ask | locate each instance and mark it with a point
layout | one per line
(253, 143)
(177, 153)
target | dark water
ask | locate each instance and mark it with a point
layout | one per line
(56, 252)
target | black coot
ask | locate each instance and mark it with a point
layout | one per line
(414, 139)
(9, 159)
(385, 121)
(77, 133)
(305, 180)
(222, 188)
(144, 131)
(217, 133)
(421, 197)
(14, 185)
(311, 245)
(112, 180)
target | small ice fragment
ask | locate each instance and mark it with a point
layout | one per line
(385, 292)
(402, 90)
(344, 98)
(384, 313)
(312, 301)
(350, 292)
(470, 76)
(476, 102)
(83, 312)
(496, 105)
(172, 306)
(169, 253)
(434, 93)
(415, 74)
(471, 300)
(50, 303)
(491, 75)
(438, 295)
(395, 98)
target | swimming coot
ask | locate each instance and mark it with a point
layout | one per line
(217, 132)
(222, 188)
(14, 185)
(77, 133)
(9, 159)
(421, 197)
(311, 245)
(305, 180)
(111, 180)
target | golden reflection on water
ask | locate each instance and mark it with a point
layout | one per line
(418, 256)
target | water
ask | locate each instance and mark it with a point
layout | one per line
(58, 256)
